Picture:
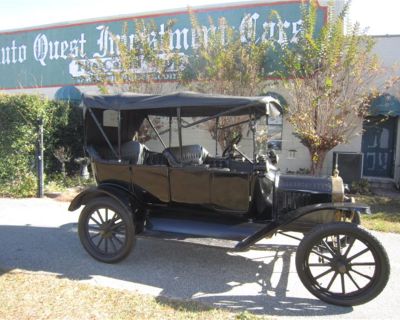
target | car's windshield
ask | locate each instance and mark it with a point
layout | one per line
(268, 136)
(205, 134)
(201, 133)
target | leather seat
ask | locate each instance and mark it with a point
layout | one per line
(191, 155)
(132, 151)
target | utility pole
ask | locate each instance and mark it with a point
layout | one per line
(40, 158)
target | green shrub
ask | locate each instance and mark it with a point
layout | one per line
(300, 171)
(361, 187)
(19, 115)
(65, 130)
(24, 187)
(57, 183)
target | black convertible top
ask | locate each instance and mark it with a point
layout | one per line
(192, 104)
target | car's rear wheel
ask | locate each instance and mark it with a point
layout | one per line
(342, 264)
(106, 230)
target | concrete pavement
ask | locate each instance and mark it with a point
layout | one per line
(40, 235)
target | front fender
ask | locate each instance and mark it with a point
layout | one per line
(336, 206)
(295, 215)
(121, 195)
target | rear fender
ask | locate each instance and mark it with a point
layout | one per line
(119, 194)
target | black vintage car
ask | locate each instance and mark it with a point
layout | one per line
(185, 193)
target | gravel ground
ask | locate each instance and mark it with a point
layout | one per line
(40, 235)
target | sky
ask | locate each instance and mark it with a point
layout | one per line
(15, 14)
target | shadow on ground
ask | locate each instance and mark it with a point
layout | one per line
(180, 271)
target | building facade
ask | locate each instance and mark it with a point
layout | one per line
(47, 59)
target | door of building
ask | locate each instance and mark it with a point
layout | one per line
(378, 146)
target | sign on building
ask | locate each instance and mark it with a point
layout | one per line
(53, 56)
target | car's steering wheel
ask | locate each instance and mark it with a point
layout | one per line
(230, 149)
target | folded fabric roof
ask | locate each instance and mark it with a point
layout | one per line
(192, 104)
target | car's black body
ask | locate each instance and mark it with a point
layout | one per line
(184, 193)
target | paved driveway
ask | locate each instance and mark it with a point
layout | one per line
(41, 235)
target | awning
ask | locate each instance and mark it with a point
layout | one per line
(386, 104)
(68, 94)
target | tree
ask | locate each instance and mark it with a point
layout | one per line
(330, 75)
(63, 155)
(226, 61)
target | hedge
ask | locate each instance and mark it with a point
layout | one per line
(19, 115)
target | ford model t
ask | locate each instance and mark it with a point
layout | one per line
(184, 192)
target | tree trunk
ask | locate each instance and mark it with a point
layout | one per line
(317, 161)
(63, 171)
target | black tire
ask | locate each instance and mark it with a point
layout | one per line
(344, 276)
(106, 230)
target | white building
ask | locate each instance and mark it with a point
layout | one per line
(38, 60)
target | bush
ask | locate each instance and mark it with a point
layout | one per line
(57, 183)
(361, 187)
(24, 187)
(300, 171)
(64, 131)
(19, 115)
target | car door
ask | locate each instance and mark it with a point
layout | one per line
(190, 184)
(218, 188)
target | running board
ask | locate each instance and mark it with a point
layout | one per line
(204, 229)
(224, 235)
(190, 239)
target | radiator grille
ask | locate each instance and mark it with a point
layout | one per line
(291, 200)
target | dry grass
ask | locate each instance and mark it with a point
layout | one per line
(26, 295)
(68, 195)
(385, 213)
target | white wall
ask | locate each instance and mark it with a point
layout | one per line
(49, 92)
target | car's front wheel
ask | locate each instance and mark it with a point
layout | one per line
(342, 264)
(106, 230)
